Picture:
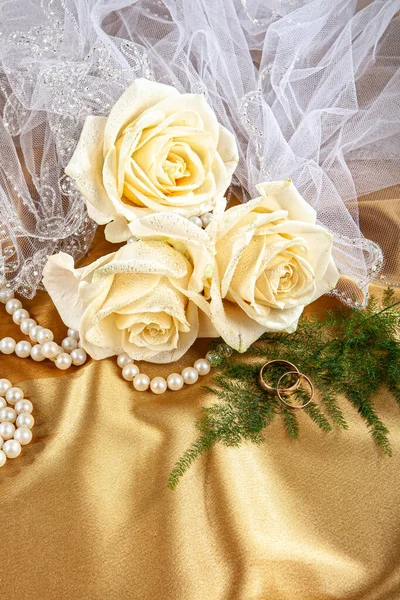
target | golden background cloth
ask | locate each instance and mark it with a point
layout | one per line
(86, 514)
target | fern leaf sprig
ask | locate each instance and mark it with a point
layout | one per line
(348, 354)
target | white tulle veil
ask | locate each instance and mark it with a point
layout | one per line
(309, 88)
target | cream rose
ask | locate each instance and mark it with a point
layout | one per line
(158, 150)
(272, 260)
(142, 299)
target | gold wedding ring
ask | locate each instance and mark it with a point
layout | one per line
(293, 370)
(270, 388)
(300, 376)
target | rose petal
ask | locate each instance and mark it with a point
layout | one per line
(136, 181)
(141, 95)
(87, 273)
(232, 324)
(284, 195)
(274, 319)
(161, 298)
(110, 174)
(147, 158)
(240, 215)
(98, 340)
(186, 236)
(103, 339)
(152, 257)
(228, 150)
(247, 270)
(317, 239)
(328, 282)
(194, 103)
(232, 245)
(85, 167)
(128, 289)
(186, 339)
(61, 280)
(194, 167)
(206, 328)
(178, 123)
(117, 231)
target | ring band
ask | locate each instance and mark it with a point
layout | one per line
(300, 376)
(270, 388)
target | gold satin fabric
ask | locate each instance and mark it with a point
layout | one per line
(86, 515)
(379, 215)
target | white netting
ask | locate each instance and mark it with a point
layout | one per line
(310, 89)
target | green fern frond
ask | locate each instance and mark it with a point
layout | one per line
(348, 354)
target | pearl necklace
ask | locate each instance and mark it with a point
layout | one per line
(70, 353)
(14, 408)
(42, 346)
(158, 385)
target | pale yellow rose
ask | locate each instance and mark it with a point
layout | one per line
(158, 150)
(142, 299)
(272, 260)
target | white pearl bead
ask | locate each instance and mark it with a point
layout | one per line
(19, 315)
(3, 402)
(5, 385)
(131, 239)
(6, 295)
(73, 333)
(24, 420)
(158, 385)
(124, 359)
(175, 381)
(44, 335)
(63, 361)
(3, 458)
(202, 366)
(69, 344)
(190, 375)
(141, 382)
(78, 357)
(7, 430)
(129, 372)
(14, 395)
(1, 442)
(50, 350)
(23, 349)
(7, 345)
(206, 219)
(7, 414)
(23, 435)
(12, 448)
(26, 325)
(13, 305)
(36, 352)
(23, 406)
(33, 332)
(59, 351)
(196, 221)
